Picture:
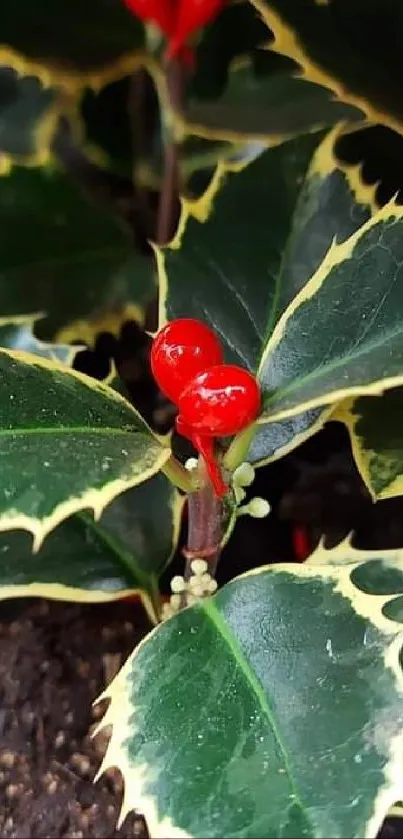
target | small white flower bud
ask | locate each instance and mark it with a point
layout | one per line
(199, 566)
(244, 475)
(177, 584)
(258, 508)
(191, 464)
(212, 586)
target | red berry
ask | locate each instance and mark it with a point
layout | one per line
(220, 401)
(181, 350)
(191, 15)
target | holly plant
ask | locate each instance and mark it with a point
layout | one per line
(220, 182)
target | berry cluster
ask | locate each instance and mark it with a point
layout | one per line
(177, 19)
(214, 399)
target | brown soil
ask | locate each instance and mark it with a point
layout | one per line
(55, 659)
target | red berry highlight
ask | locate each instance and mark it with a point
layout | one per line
(181, 350)
(220, 401)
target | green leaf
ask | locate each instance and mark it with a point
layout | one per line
(242, 275)
(70, 42)
(274, 440)
(375, 425)
(28, 116)
(262, 101)
(354, 50)
(87, 561)
(239, 91)
(280, 713)
(68, 443)
(343, 334)
(77, 262)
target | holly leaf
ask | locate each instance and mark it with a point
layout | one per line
(239, 91)
(291, 665)
(265, 102)
(68, 443)
(357, 343)
(347, 50)
(375, 427)
(29, 112)
(241, 292)
(87, 561)
(71, 43)
(78, 262)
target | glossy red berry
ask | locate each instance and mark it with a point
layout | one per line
(181, 350)
(220, 401)
(191, 15)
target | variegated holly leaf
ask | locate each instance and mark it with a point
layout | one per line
(240, 92)
(29, 112)
(343, 333)
(348, 49)
(66, 257)
(93, 561)
(243, 276)
(263, 100)
(282, 709)
(71, 43)
(68, 443)
(375, 425)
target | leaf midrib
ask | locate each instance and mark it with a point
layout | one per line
(13, 432)
(214, 616)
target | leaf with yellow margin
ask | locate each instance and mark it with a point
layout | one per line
(352, 49)
(264, 102)
(29, 113)
(87, 561)
(71, 43)
(66, 257)
(68, 443)
(342, 334)
(243, 275)
(239, 92)
(274, 708)
(375, 425)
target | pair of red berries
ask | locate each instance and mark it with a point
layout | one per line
(177, 19)
(214, 399)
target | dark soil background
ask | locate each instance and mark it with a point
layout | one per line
(56, 658)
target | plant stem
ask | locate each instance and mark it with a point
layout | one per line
(204, 526)
(169, 198)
